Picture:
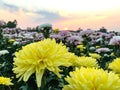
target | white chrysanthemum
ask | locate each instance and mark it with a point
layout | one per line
(3, 52)
(115, 40)
(16, 43)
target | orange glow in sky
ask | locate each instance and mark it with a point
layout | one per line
(63, 14)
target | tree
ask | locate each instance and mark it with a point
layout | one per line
(11, 24)
(103, 30)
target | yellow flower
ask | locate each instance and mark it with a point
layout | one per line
(97, 46)
(56, 30)
(38, 56)
(112, 54)
(92, 79)
(86, 62)
(81, 47)
(73, 59)
(115, 65)
(5, 81)
(95, 55)
(12, 40)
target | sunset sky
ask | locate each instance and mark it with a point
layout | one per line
(63, 14)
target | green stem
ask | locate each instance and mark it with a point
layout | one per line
(38, 89)
(9, 88)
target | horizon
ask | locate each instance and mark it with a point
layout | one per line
(65, 15)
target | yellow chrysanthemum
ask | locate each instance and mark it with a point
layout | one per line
(97, 46)
(115, 65)
(12, 40)
(81, 47)
(36, 57)
(95, 55)
(86, 62)
(5, 81)
(73, 59)
(112, 54)
(92, 79)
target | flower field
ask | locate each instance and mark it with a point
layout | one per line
(48, 59)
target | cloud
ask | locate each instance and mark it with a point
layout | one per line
(45, 15)
(9, 7)
(49, 16)
(38, 15)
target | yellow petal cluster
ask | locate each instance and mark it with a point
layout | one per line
(97, 46)
(73, 59)
(115, 65)
(5, 81)
(95, 55)
(12, 40)
(81, 47)
(92, 79)
(112, 54)
(86, 62)
(38, 56)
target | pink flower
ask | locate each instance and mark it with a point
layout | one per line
(74, 40)
(64, 33)
(115, 40)
(2, 23)
(56, 36)
(100, 50)
(86, 32)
